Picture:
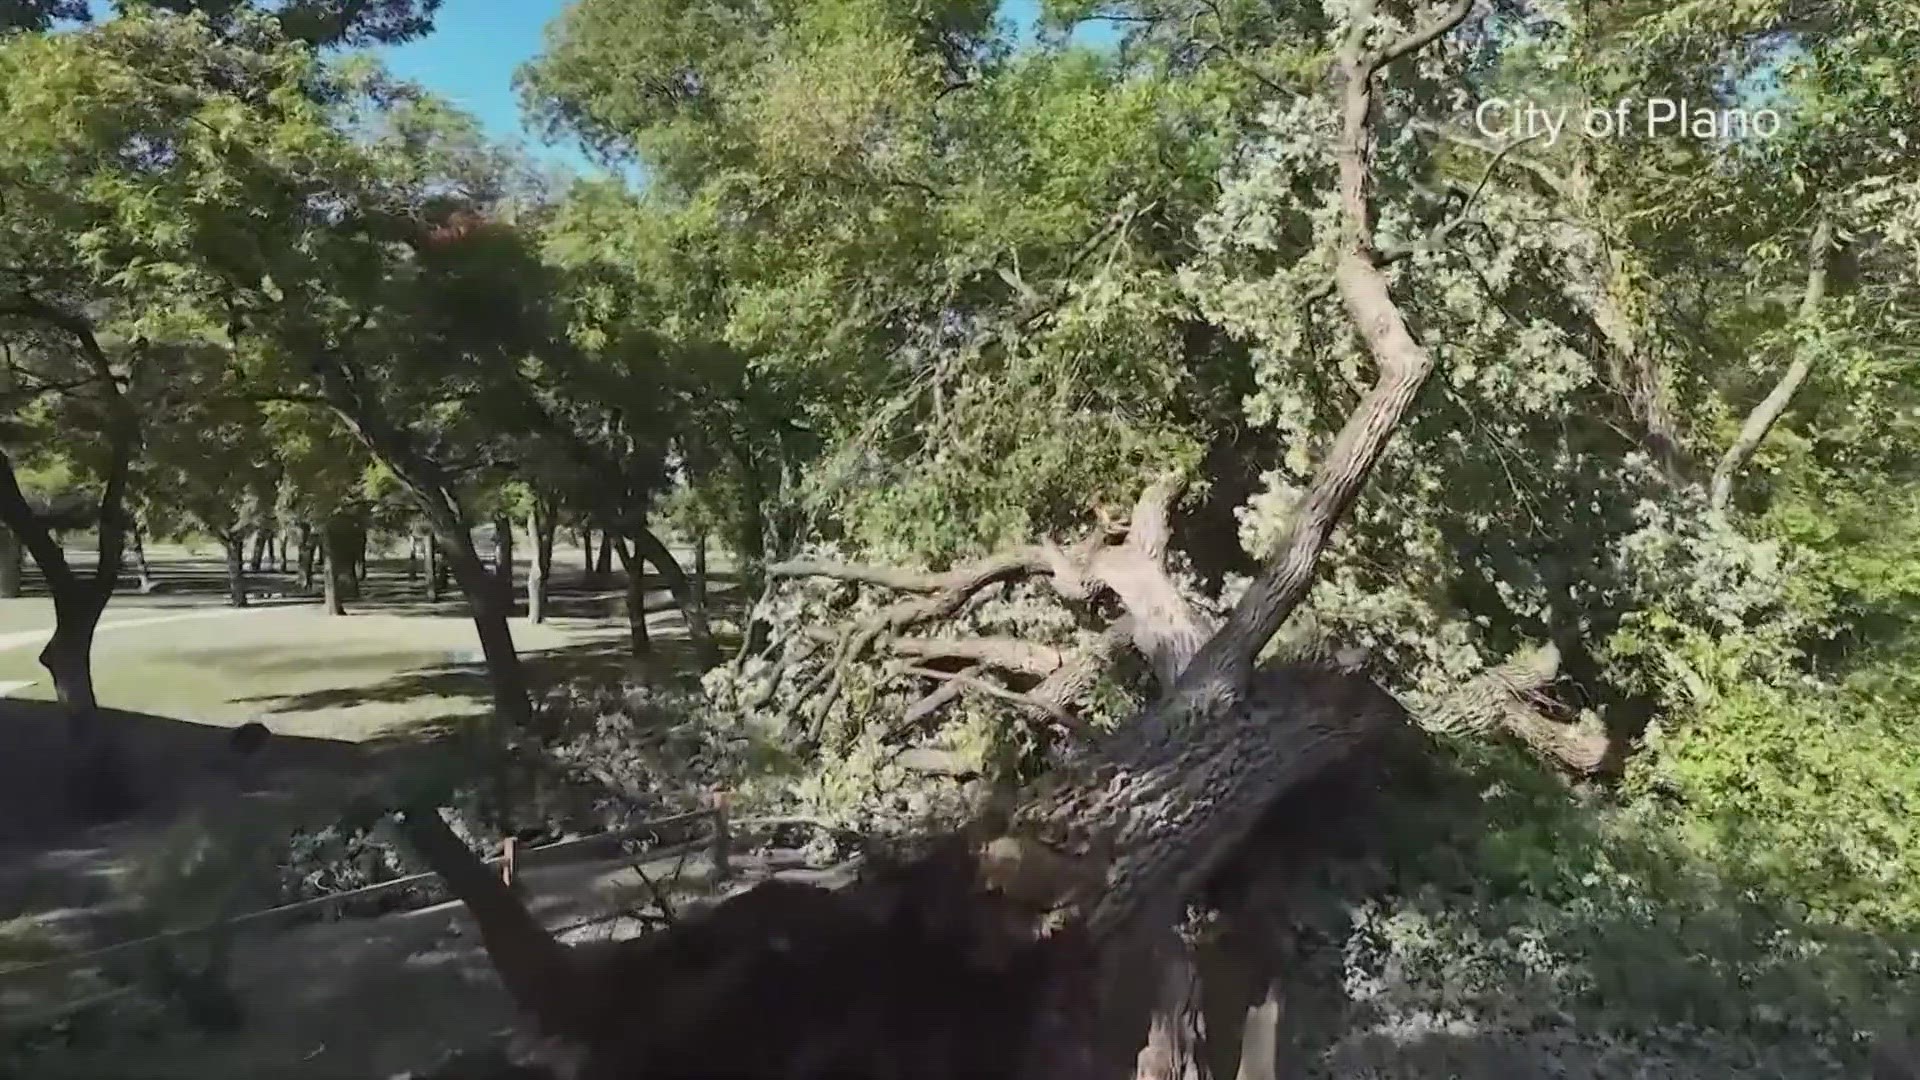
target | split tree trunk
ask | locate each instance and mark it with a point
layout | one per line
(603, 562)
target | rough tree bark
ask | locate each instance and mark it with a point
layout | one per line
(1764, 415)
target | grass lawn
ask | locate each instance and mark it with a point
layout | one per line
(394, 661)
(303, 673)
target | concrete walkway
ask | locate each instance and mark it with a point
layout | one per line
(21, 639)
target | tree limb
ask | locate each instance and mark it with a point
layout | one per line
(1764, 415)
(1053, 711)
(1226, 660)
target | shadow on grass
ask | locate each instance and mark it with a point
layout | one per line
(163, 757)
(605, 661)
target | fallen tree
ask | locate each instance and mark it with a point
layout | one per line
(1041, 934)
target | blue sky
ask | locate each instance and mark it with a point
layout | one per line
(477, 45)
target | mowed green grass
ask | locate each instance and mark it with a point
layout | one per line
(302, 672)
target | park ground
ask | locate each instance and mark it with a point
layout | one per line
(176, 668)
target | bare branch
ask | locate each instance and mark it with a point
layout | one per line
(1764, 415)
(1423, 37)
(1053, 711)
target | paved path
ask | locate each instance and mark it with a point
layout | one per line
(21, 639)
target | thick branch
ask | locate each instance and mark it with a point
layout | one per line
(968, 579)
(1423, 37)
(1227, 659)
(1049, 709)
(1764, 415)
(536, 969)
(1163, 626)
(1502, 699)
(122, 433)
(17, 514)
(1006, 654)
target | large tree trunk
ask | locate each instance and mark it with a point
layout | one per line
(337, 573)
(540, 570)
(491, 601)
(68, 654)
(1764, 415)
(357, 560)
(436, 571)
(503, 553)
(233, 544)
(636, 570)
(97, 771)
(308, 552)
(586, 555)
(649, 547)
(97, 774)
(143, 572)
(751, 544)
(12, 565)
(260, 540)
(700, 568)
(1176, 1030)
